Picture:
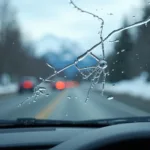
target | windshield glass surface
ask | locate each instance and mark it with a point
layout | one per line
(74, 60)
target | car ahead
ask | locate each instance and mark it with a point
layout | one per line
(53, 86)
(59, 85)
(27, 84)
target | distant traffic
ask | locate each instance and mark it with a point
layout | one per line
(28, 83)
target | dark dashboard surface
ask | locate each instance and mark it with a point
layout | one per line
(37, 137)
(129, 134)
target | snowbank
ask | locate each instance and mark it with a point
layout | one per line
(137, 87)
(8, 89)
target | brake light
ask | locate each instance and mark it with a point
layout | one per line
(27, 84)
(71, 84)
(60, 85)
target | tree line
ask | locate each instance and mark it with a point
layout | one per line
(131, 55)
(16, 58)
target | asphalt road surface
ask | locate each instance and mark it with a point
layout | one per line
(65, 105)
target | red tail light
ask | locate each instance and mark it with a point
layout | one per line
(27, 84)
(60, 85)
(71, 84)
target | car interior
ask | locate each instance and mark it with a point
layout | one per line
(120, 136)
(75, 68)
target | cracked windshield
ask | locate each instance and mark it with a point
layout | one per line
(74, 60)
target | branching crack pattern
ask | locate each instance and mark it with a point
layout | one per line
(95, 73)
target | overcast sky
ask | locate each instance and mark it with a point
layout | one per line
(41, 17)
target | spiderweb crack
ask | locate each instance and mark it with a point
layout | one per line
(95, 71)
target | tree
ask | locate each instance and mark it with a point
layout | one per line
(139, 58)
(6, 23)
(118, 64)
(15, 57)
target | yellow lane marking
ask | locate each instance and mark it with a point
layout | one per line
(51, 107)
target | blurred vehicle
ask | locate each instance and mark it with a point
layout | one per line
(27, 84)
(59, 85)
(53, 86)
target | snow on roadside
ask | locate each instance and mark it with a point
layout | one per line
(137, 87)
(8, 89)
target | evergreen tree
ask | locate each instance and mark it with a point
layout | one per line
(118, 62)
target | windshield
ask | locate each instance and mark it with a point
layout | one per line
(74, 60)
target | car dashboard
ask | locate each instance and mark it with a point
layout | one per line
(37, 138)
(114, 137)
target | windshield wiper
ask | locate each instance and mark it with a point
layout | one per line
(32, 122)
(129, 120)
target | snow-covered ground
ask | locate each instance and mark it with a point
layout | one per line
(8, 89)
(137, 87)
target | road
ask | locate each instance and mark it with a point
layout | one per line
(66, 105)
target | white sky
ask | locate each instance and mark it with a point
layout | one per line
(42, 17)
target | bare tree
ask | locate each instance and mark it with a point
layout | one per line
(15, 58)
(7, 18)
